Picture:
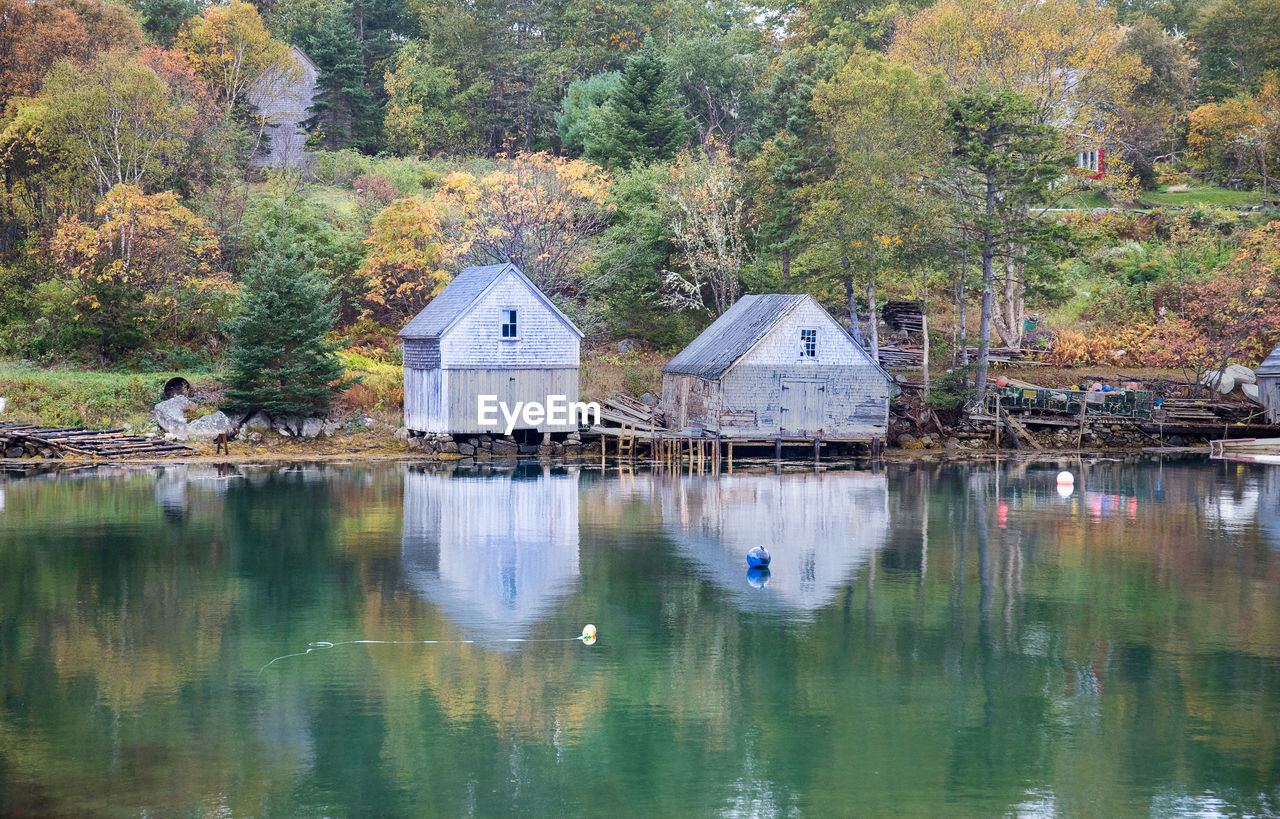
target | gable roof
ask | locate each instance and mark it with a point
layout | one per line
(467, 288)
(739, 329)
(1270, 365)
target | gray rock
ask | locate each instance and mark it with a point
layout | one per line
(255, 437)
(288, 425)
(258, 422)
(331, 428)
(237, 419)
(504, 448)
(449, 446)
(906, 438)
(170, 416)
(312, 427)
(529, 449)
(649, 399)
(209, 427)
(466, 449)
(367, 422)
(1241, 374)
(402, 434)
(628, 346)
(1251, 392)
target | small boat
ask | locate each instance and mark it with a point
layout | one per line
(758, 557)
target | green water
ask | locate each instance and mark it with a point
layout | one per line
(932, 641)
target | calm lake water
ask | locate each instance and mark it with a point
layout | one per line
(932, 640)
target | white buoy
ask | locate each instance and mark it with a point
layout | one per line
(1066, 478)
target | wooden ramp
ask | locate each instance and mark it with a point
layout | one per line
(30, 441)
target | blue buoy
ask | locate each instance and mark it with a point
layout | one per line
(758, 557)
(758, 577)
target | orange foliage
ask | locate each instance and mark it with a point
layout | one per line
(406, 262)
(35, 34)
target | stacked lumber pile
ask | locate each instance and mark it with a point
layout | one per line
(904, 315)
(620, 410)
(1205, 411)
(30, 441)
(905, 358)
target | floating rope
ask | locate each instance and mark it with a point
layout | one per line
(588, 637)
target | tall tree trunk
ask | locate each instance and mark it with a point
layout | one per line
(960, 294)
(924, 328)
(873, 328)
(988, 282)
(854, 329)
(786, 264)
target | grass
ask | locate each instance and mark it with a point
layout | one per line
(1084, 200)
(1220, 197)
(67, 396)
(605, 371)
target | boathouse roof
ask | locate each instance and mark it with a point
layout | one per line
(1271, 365)
(453, 302)
(729, 337)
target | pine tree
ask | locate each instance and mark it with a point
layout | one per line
(643, 120)
(280, 360)
(344, 113)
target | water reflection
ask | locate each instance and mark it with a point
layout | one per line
(495, 551)
(969, 642)
(817, 528)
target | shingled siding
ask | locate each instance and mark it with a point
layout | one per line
(445, 400)
(545, 341)
(422, 353)
(282, 99)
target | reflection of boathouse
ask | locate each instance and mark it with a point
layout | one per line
(494, 552)
(818, 528)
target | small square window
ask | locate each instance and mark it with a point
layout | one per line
(509, 327)
(808, 343)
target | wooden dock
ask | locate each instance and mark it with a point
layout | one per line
(31, 441)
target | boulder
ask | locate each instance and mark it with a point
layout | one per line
(209, 427)
(1223, 382)
(312, 427)
(402, 434)
(649, 399)
(331, 428)
(466, 449)
(1251, 392)
(237, 419)
(258, 422)
(1241, 374)
(170, 415)
(627, 346)
(288, 425)
(507, 448)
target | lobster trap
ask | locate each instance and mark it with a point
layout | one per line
(1039, 401)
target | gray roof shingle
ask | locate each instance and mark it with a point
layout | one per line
(733, 334)
(1270, 365)
(457, 297)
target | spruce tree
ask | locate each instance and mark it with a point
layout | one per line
(643, 119)
(280, 359)
(344, 113)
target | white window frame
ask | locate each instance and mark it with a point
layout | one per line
(1087, 160)
(503, 313)
(805, 354)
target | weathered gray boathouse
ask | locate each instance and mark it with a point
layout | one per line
(283, 94)
(491, 331)
(1268, 375)
(777, 366)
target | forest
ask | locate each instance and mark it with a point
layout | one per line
(1096, 180)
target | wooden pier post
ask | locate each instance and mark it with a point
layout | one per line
(731, 457)
(817, 453)
(777, 449)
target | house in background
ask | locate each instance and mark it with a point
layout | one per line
(1091, 157)
(777, 366)
(491, 331)
(282, 96)
(1268, 375)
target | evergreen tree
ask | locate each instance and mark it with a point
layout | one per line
(344, 113)
(280, 360)
(643, 120)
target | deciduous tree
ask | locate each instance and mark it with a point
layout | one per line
(708, 215)
(143, 271)
(407, 262)
(536, 210)
(230, 48)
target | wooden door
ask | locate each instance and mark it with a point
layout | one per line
(804, 405)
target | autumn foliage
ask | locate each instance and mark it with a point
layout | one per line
(142, 270)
